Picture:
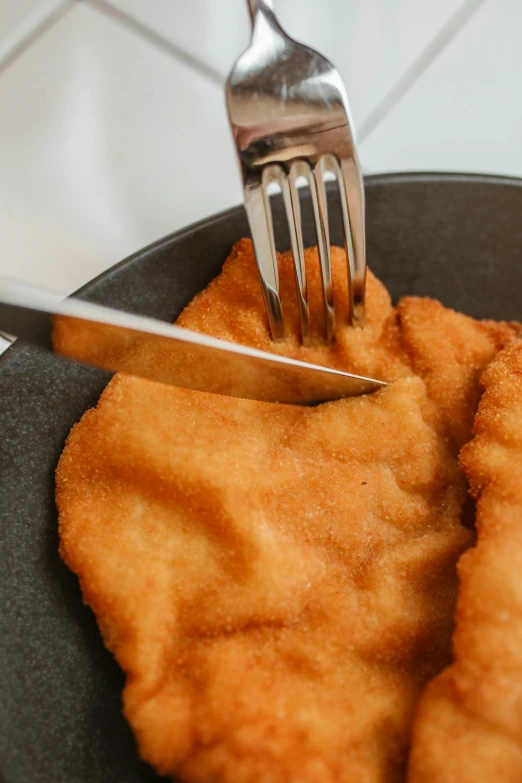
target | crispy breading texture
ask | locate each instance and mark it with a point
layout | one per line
(277, 582)
(274, 581)
(469, 722)
(231, 307)
(450, 350)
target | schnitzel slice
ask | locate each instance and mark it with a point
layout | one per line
(469, 723)
(278, 583)
(274, 580)
(450, 350)
(232, 308)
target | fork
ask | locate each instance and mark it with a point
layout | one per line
(290, 120)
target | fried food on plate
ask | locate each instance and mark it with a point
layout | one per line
(277, 582)
(469, 723)
(447, 349)
(450, 350)
(231, 307)
(272, 579)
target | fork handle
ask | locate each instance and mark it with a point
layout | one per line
(253, 5)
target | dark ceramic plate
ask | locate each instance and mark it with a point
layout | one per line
(456, 238)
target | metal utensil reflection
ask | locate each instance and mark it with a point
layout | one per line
(175, 356)
(291, 123)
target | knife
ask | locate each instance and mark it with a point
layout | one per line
(172, 355)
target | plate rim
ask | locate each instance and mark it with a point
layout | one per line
(388, 178)
(369, 179)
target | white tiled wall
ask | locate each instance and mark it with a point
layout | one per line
(112, 122)
(19, 19)
(465, 111)
(372, 42)
(110, 141)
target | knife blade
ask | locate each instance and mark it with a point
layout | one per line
(174, 355)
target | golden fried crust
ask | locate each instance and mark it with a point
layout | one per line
(450, 350)
(469, 723)
(276, 582)
(231, 307)
(447, 349)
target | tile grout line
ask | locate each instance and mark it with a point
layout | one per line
(46, 24)
(156, 39)
(450, 30)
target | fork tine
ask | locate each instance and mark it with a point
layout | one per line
(276, 174)
(353, 186)
(259, 215)
(333, 165)
(295, 227)
(320, 208)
